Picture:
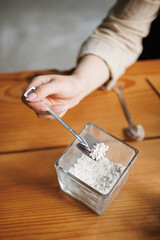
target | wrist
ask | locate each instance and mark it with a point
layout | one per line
(91, 73)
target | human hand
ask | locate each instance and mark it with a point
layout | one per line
(59, 92)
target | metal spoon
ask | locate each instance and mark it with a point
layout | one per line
(85, 144)
(134, 132)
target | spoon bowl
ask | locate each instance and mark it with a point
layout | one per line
(137, 133)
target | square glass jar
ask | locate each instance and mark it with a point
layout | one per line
(119, 152)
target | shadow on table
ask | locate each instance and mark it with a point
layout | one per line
(152, 220)
(143, 212)
(34, 174)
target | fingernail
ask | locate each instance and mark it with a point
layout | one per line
(31, 96)
(31, 89)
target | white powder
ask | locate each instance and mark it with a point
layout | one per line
(98, 151)
(101, 175)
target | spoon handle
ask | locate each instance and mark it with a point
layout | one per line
(64, 124)
(119, 91)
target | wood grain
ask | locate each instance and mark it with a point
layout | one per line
(22, 130)
(32, 206)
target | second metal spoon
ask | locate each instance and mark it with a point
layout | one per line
(134, 132)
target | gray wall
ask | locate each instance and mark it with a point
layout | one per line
(46, 34)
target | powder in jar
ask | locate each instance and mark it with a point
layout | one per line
(98, 151)
(100, 175)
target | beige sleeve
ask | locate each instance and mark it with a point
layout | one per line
(118, 40)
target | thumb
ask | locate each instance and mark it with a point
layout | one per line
(42, 91)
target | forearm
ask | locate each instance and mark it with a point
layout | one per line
(91, 72)
(118, 40)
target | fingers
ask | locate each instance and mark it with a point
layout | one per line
(40, 80)
(60, 110)
(44, 88)
(34, 94)
(29, 91)
(37, 106)
(37, 84)
(44, 91)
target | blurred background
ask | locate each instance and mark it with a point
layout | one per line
(46, 34)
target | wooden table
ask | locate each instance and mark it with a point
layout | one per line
(32, 206)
